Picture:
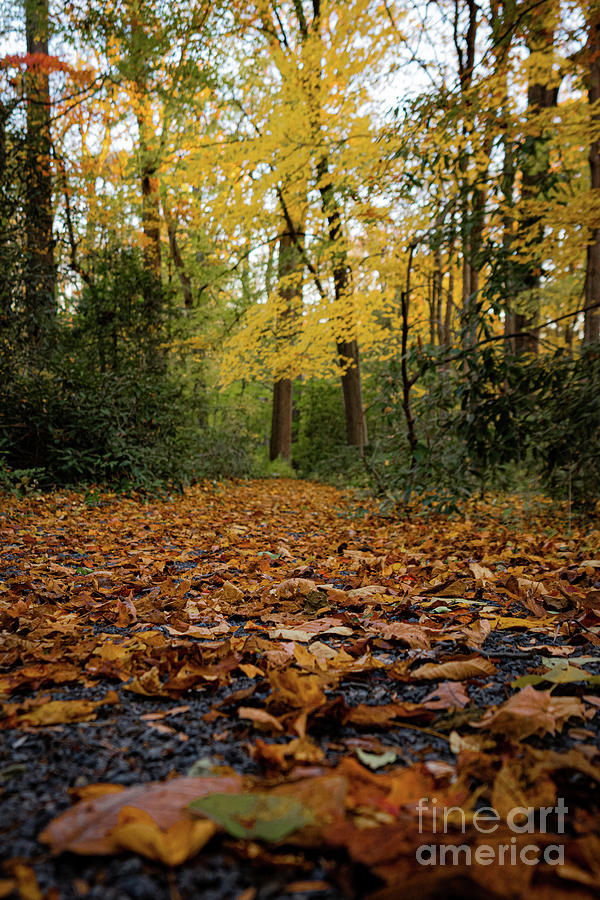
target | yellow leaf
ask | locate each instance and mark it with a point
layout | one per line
(138, 832)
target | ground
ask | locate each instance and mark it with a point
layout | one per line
(359, 705)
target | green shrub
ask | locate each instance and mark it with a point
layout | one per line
(75, 426)
(321, 433)
(495, 421)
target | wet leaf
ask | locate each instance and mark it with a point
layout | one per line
(256, 816)
(457, 670)
(376, 760)
(88, 827)
(532, 712)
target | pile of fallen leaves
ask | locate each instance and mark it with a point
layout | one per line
(322, 692)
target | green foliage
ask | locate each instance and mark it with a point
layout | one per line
(497, 422)
(111, 320)
(320, 449)
(226, 450)
(256, 816)
(74, 426)
(93, 409)
(276, 468)
(567, 444)
(438, 473)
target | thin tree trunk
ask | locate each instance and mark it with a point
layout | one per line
(449, 306)
(151, 235)
(508, 181)
(591, 331)
(438, 284)
(346, 344)
(407, 381)
(290, 292)
(541, 95)
(281, 420)
(39, 214)
(502, 24)
(148, 168)
(184, 279)
(348, 353)
(466, 63)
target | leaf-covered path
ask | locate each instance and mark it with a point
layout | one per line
(324, 684)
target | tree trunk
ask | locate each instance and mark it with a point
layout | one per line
(281, 421)
(437, 325)
(449, 305)
(290, 292)
(541, 95)
(465, 52)
(508, 281)
(356, 426)
(39, 214)
(184, 279)
(591, 331)
(346, 343)
(151, 237)
(348, 354)
(152, 288)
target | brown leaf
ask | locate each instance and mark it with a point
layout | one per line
(57, 712)
(384, 715)
(295, 690)
(88, 827)
(532, 712)
(456, 670)
(260, 717)
(447, 695)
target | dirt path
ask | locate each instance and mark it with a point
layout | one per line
(331, 680)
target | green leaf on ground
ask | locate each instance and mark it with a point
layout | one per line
(255, 816)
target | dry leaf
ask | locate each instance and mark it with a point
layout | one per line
(87, 827)
(457, 670)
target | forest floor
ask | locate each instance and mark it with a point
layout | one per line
(323, 684)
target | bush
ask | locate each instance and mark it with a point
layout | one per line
(497, 422)
(75, 426)
(566, 442)
(320, 445)
(225, 451)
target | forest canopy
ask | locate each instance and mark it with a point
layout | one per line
(359, 240)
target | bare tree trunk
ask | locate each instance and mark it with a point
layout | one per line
(465, 52)
(508, 181)
(356, 425)
(449, 306)
(438, 283)
(39, 214)
(184, 279)
(347, 349)
(290, 291)
(348, 354)
(148, 169)
(407, 381)
(541, 95)
(151, 233)
(591, 331)
(281, 421)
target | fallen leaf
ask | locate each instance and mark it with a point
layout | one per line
(256, 816)
(456, 670)
(447, 695)
(260, 717)
(376, 760)
(531, 712)
(87, 827)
